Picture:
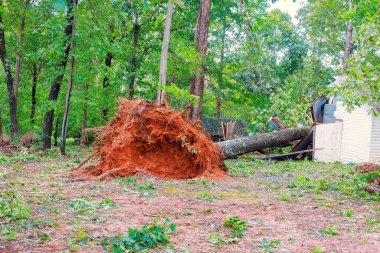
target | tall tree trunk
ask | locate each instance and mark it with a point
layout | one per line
(201, 35)
(161, 94)
(55, 87)
(9, 80)
(106, 84)
(136, 29)
(347, 47)
(221, 68)
(18, 58)
(70, 88)
(34, 87)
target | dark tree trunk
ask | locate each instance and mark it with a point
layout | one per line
(347, 47)
(34, 88)
(55, 87)
(18, 58)
(240, 146)
(9, 80)
(70, 88)
(201, 35)
(221, 69)
(136, 29)
(56, 131)
(106, 84)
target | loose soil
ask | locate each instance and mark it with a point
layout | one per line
(143, 137)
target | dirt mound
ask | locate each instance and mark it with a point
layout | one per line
(155, 140)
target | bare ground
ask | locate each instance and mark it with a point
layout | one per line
(280, 219)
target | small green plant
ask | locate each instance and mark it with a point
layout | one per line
(150, 236)
(327, 232)
(220, 239)
(82, 206)
(145, 187)
(107, 204)
(284, 197)
(238, 226)
(348, 213)
(12, 206)
(269, 246)
(207, 196)
(317, 249)
(207, 210)
(126, 180)
(43, 237)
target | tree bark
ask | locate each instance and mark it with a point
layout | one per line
(55, 87)
(201, 35)
(70, 88)
(240, 146)
(161, 94)
(56, 131)
(136, 29)
(347, 47)
(106, 84)
(34, 88)
(9, 80)
(18, 58)
(221, 69)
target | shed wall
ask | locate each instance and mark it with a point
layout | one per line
(375, 140)
(356, 134)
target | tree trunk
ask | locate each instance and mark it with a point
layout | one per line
(55, 87)
(9, 80)
(106, 84)
(70, 88)
(34, 88)
(236, 147)
(56, 131)
(347, 47)
(161, 94)
(18, 58)
(201, 35)
(136, 29)
(83, 137)
(221, 69)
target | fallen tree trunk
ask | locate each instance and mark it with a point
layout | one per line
(240, 146)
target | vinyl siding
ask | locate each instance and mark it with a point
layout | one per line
(375, 140)
(356, 134)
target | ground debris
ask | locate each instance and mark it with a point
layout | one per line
(160, 141)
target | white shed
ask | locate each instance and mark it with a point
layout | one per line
(360, 134)
(356, 135)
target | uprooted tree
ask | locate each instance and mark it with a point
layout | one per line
(163, 142)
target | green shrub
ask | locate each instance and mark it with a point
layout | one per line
(150, 236)
(12, 206)
(238, 226)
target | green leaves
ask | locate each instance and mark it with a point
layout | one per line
(150, 236)
(12, 206)
(238, 226)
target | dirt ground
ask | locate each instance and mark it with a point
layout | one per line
(285, 212)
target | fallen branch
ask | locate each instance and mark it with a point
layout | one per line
(85, 161)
